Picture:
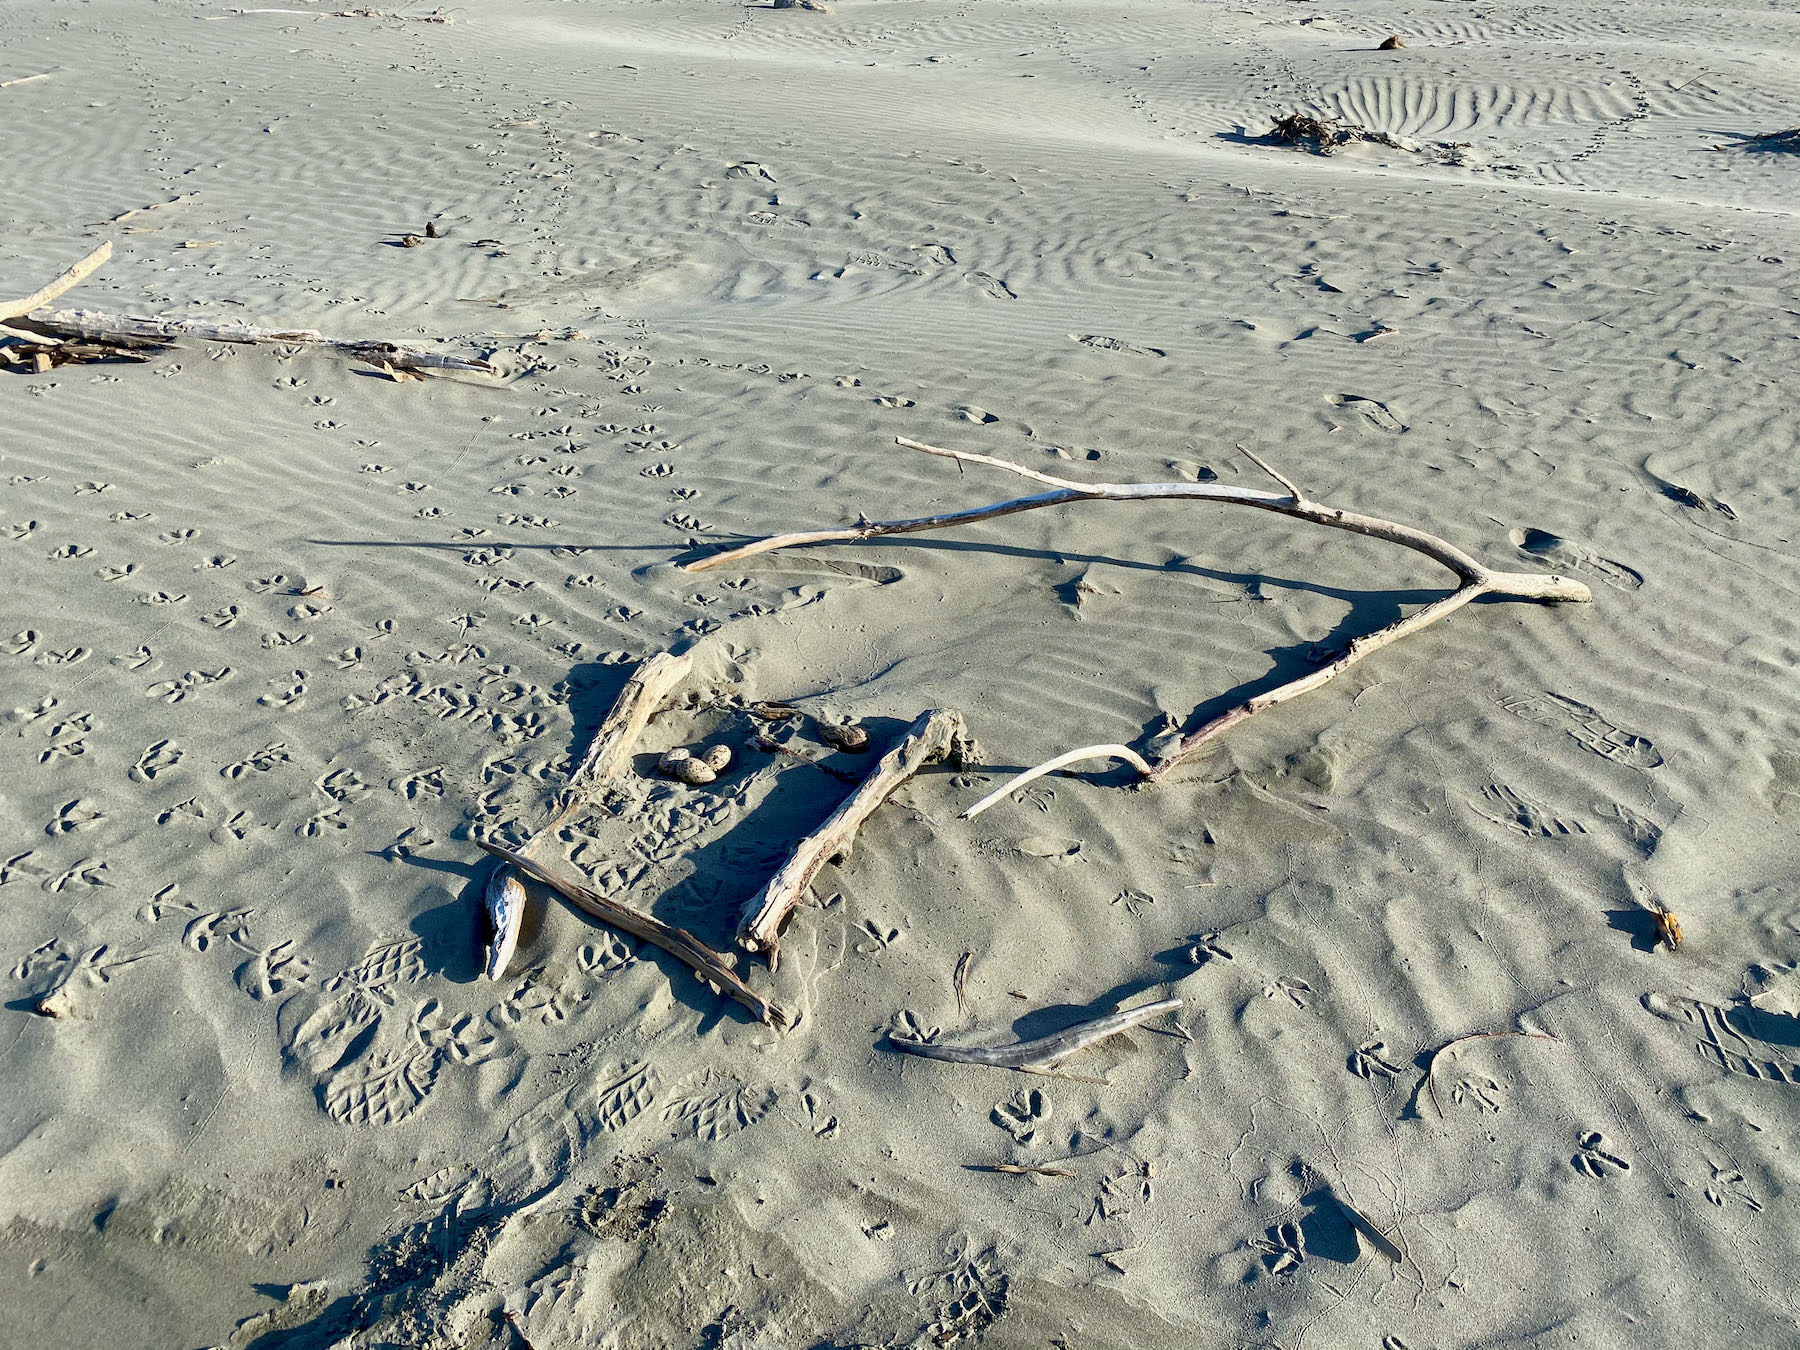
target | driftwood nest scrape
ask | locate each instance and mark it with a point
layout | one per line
(941, 735)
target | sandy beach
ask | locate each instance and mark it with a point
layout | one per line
(287, 634)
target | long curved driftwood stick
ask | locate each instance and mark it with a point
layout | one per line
(1476, 577)
(617, 736)
(677, 942)
(1046, 1052)
(1013, 784)
(932, 736)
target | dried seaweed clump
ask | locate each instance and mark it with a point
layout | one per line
(1773, 140)
(1326, 135)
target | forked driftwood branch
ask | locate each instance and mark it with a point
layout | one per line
(609, 753)
(1476, 578)
(1044, 1053)
(47, 328)
(605, 756)
(97, 327)
(708, 964)
(933, 736)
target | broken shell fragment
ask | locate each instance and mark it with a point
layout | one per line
(505, 905)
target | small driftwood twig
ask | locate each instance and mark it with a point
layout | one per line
(1044, 1053)
(1363, 1224)
(677, 942)
(1019, 1169)
(932, 736)
(1013, 784)
(1476, 578)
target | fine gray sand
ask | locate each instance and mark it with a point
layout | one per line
(284, 637)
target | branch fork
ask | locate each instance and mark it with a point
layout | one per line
(1475, 579)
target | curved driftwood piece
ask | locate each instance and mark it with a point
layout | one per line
(617, 736)
(1477, 579)
(1044, 1053)
(1451, 1047)
(933, 736)
(1013, 784)
(708, 964)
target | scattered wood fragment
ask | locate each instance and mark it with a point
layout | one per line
(933, 736)
(1668, 927)
(45, 353)
(617, 736)
(123, 216)
(1452, 1046)
(770, 745)
(1477, 579)
(1019, 1169)
(25, 79)
(1044, 1053)
(962, 980)
(709, 965)
(1392, 44)
(774, 712)
(1767, 140)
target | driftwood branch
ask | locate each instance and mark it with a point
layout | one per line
(708, 964)
(1044, 1053)
(933, 736)
(97, 327)
(34, 324)
(1476, 578)
(12, 309)
(617, 736)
